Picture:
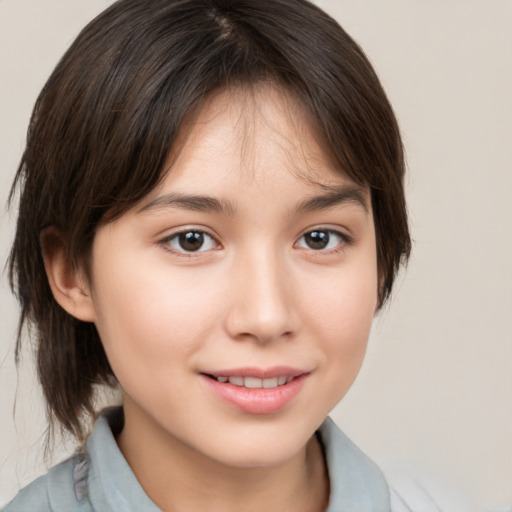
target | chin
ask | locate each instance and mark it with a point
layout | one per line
(260, 448)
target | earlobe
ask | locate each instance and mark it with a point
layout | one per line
(68, 283)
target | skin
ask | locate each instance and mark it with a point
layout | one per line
(255, 294)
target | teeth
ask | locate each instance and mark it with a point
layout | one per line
(270, 383)
(252, 382)
(237, 381)
(255, 383)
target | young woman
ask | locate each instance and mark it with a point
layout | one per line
(211, 213)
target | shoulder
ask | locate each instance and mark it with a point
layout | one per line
(32, 497)
(415, 502)
(357, 483)
(97, 479)
(419, 490)
(59, 490)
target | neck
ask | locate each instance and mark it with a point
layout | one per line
(177, 478)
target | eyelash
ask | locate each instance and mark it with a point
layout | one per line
(344, 240)
(166, 242)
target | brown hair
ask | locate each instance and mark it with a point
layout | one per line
(106, 119)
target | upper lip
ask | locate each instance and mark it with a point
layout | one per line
(259, 373)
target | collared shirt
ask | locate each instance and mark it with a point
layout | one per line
(100, 480)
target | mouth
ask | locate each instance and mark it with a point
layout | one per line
(256, 391)
(253, 382)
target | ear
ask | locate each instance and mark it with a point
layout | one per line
(68, 284)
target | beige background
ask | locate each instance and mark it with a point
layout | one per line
(435, 393)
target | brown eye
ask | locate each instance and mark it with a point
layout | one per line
(191, 241)
(321, 239)
(317, 239)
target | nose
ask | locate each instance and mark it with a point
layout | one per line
(262, 307)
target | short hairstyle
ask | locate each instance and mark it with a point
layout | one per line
(107, 118)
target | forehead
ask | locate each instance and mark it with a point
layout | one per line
(253, 134)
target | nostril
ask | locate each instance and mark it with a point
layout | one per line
(260, 311)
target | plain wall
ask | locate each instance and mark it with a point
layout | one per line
(435, 393)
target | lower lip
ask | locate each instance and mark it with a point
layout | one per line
(256, 400)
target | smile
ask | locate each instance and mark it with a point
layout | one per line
(254, 382)
(256, 391)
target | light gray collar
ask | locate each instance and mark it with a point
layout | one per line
(356, 483)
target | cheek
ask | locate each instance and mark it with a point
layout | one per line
(346, 301)
(155, 317)
(341, 314)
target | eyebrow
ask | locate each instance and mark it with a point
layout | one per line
(197, 203)
(335, 196)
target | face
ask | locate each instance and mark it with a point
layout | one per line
(235, 301)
